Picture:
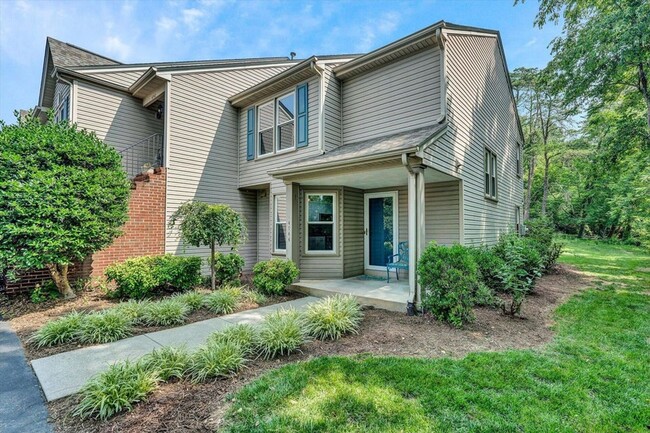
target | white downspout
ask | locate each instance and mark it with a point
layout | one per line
(440, 38)
(321, 106)
(412, 227)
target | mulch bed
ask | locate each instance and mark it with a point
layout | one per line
(26, 317)
(185, 407)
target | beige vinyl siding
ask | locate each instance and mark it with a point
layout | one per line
(400, 96)
(264, 225)
(442, 218)
(331, 109)
(116, 117)
(321, 266)
(124, 78)
(203, 141)
(352, 232)
(255, 172)
(480, 113)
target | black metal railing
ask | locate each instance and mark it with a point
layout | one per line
(144, 155)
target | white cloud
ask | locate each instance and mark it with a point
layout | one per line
(192, 18)
(166, 24)
(531, 42)
(375, 28)
(116, 47)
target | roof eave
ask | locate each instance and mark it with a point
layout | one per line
(77, 75)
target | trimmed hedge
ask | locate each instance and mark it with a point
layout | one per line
(273, 276)
(140, 277)
(228, 267)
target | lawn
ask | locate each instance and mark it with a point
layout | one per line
(593, 377)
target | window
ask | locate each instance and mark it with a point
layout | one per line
(63, 110)
(518, 219)
(321, 222)
(490, 169)
(279, 223)
(265, 122)
(285, 121)
(519, 171)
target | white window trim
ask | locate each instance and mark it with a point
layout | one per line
(519, 161)
(366, 222)
(492, 172)
(275, 225)
(258, 130)
(274, 103)
(277, 123)
(335, 221)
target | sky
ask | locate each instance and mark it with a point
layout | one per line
(132, 31)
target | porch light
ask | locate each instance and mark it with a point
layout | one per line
(160, 111)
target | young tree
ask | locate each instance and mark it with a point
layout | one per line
(203, 224)
(63, 196)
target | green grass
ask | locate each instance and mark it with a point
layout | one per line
(594, 376)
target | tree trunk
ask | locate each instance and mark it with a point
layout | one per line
(214, 283)
(545, 191)
(529, 187)
(59, 274)
(643, 87)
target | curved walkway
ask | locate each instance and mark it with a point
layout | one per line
(23, 407)
(55, 372)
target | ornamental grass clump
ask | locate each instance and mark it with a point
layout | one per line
(243, 335)
(281, 333)
(333, 317)
(104, 327)
(167, 362)
(165, 313)
(193, 300)
(223, 301)
(216, 359)
(59, 331)
(132, 309)
(115, 390)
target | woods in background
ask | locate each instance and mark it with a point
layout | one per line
(586, 121)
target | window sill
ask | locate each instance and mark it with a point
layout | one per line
(492, 199)
(270, 155)
(320, 254)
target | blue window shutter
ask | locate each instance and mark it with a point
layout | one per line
(302, 93)
(250, 134)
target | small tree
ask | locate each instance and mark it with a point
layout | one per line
(63, 196)
(211, 225)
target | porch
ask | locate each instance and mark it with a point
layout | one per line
(371, 291)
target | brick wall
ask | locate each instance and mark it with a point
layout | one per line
(143, 234)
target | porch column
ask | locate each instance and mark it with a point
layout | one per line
(412, 229)
(293, 222)
(421, 242)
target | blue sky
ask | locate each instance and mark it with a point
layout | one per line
(164, 30)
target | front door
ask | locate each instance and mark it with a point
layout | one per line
(381, 235)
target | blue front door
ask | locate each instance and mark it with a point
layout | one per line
(380, 230)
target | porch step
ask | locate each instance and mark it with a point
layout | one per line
(378, 294)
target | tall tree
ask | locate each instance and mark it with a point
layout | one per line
(604, 49)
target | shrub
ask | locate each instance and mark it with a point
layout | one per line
(139, 277)
(333, 317)
(217, 359)
(116, 390)
(488, 264)
(485, 297)
(253, 297)
(177, 272)
(59, 331)
(223, 301)
(542, 232)
(280, 333)
(132, 309)
(227, 267)
(133, 278)
(243, 335)
(165, 313)
(44, 292)
(104, 327)
(521, 267)
(273, 276)
(449, 279)
(193, 300)
(167, 362)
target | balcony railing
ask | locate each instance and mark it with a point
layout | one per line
(144, 155)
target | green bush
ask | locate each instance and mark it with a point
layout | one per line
(116, 390)
(542, 232)
(104, 327)
(59, 331)
(132, 309)
(522, 265)
(44, 292)
(224, 300)
(167, 362)
(273, 276)
(140, 277)
(253, 297)
(333, 317)
(449, 279)
(488, 264)
(281, 333)
(194, 300)
(165, 313)
(216, 359)
(243, 335)
(227, 267)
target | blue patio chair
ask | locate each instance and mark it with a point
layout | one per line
(402, 261)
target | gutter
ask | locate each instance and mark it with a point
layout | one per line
(321, 106)
(71, 73)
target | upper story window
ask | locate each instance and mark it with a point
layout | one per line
(519, 167)
(63, 110)
(278, 125)
(490, 170)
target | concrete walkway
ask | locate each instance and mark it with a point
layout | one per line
(22, 408)
(65, 373)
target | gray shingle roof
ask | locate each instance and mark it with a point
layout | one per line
(64, 54)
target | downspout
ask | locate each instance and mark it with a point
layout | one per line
(321, 106)
(412, 242)
(440, 38)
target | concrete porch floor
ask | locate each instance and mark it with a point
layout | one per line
(377, 293)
